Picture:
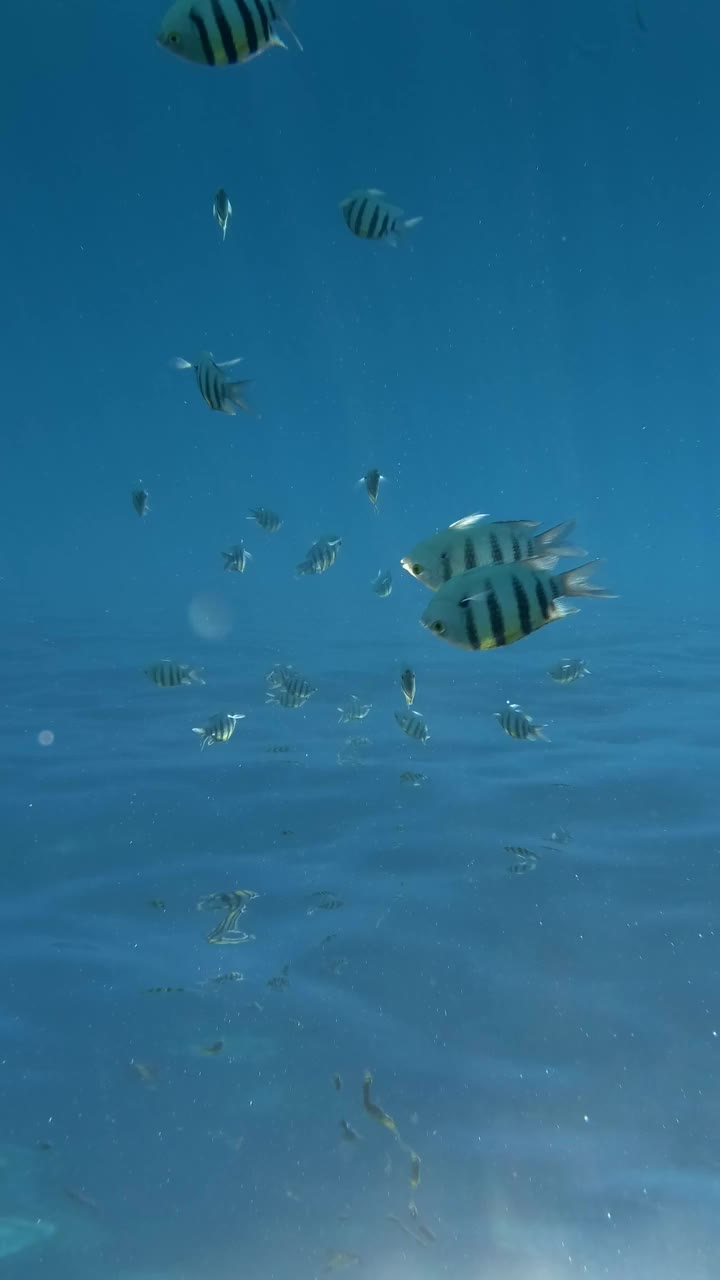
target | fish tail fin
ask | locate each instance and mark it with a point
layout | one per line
(281, 8)
(235, 393)
(576, 582)
(195, 676)
(553, 542)
(540, 732)
(408, 224)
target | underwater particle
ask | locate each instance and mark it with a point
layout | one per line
(468, 544)
(500, 604)
(217, 390)
(337, 1082)
(46, 737)
(218, 33)
(413, 724)
(144, 1072)
(369, 215)
(219, 728)
(157, 904)
(222, 210)
(414, 1170)
(141, 501)
(340, 1260)
(517, 724)
(210, 617)
(211, 1050)
(164, 991)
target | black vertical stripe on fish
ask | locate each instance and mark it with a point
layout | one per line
(273, 12)
(358, 221)
(373, 223)
(523, 604)
(542, 599)
(264, 20)
(469, 553)
(517, 550)
(225, 31)
(251, 38)
(471, 630)
(496, 549)
(497, 622)
(445, 566)
(201, 28)
(384, 227)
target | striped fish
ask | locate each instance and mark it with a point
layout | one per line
(216, 389)
(294, 691)
(371, 482)
(468, 543)
(354, 710)
(569, 670)
(499, 604)
(170, 674)
(408, 685)
(140, 501)
(368, 215)
(220, 729)
(413, 724)
(236, 559)
(517, 724)
(320, 557)
(222, 210)
(268, 520)
(217, 33)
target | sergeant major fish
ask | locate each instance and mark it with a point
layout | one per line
(236, 559)
(320, 557)
(140, 501)
(268, 520)
(517, 724)
(169, 674)
(468, 543)
(408, 685)
(382, 583)
(217, 33)
(372, 481)
(499, 604)
(354, 710)
(219, 729)
(413, 724)
(369, 215)
(569, 670)
(222, 210)
(216, 389)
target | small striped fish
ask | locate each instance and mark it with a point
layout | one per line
(413, 779)
(354, 710)
(372, 481)
(499, 604)
(382, 583)
(220, 729)
(519, 725)
(140, 501)
(368, 215)
(408, 685)
(413, 724)
(320, 557)
(236, 559)
(468, 544)
(569, 670)
(169, 674)
(293, 694)
(222, 210)
(268, 520)
(278, 676)
(216, 389)
(218, 33)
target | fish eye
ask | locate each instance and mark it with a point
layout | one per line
(438, 627)
(416, 570)
(173, 38)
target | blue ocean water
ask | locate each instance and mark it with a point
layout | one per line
(542, 346)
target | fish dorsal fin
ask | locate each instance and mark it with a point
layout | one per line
(468, 521)
(375, 191)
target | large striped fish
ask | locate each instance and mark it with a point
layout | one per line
(368, 215)
(219, 32)
(217, 390)
(500, 603)
(469, 543)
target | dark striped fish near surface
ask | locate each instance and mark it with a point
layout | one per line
(169, 675)
(236, 559)
(569, 670)
(222, 210)
(369, 215)
(517, 724)
(268, 520)
(217, 390)
(468, 543)
(414, 724)
(499, 604)
(218, 33)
